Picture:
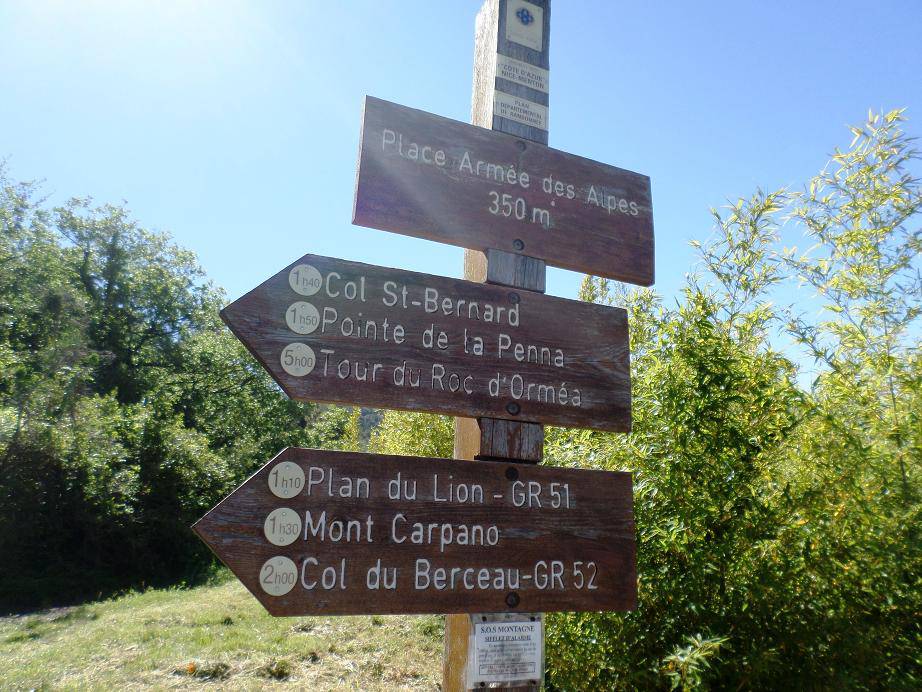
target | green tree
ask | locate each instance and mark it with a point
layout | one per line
(126, 408)
(419, 434)
(144, 295)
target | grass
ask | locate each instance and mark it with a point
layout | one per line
(214, 637)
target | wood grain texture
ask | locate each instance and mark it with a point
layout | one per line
(611, 235)
(592, 342)
(484, 78)
(519, 271)
(523, 441)
(596, 528)
(505, 440)
(492, 438)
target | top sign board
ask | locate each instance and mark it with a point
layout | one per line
(431, 177)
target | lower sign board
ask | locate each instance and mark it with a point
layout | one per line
(346, 533)
(343, 332)
(431, 177)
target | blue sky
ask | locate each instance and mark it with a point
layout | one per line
(234, 125)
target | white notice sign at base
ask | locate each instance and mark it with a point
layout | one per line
(506, 648)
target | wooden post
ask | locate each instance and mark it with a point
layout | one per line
(503, 29)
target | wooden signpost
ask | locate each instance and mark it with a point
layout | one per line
(440, 179)
(344, 332)
(317, 532)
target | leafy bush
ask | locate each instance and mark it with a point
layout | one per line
(777, 515)
(419, 434)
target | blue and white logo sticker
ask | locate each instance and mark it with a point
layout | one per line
(525, 24)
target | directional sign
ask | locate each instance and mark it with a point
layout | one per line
(440, 179)
(339, 533)
(344, 332)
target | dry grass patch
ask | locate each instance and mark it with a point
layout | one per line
(217, 636)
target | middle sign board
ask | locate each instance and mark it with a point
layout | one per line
(343, 332)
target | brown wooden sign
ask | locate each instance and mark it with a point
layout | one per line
(444, 180)
(344, 332)
(343, 533)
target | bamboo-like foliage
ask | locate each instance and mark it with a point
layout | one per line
(776, 447)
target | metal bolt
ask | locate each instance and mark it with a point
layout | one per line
(512, 473)
(518, 245)
(512, 599)
(533, 618)
(514, 298)
(521, 145)
(513, 408)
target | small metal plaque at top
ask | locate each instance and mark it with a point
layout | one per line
(522, 73)
(525, 24)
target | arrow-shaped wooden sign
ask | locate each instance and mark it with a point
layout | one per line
(344, 332)
(342, 533)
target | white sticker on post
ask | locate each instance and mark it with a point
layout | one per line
(521, 72)
(519, 109)
(525, 24)
(506, 648)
